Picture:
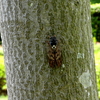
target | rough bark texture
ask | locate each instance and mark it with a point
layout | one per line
(25, 25)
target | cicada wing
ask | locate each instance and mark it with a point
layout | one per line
(51, 63)
(59, 62)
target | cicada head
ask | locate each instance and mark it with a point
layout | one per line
(53, 42)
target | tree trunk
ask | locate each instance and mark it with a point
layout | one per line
(25, 26)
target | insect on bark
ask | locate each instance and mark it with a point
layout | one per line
(54, 53)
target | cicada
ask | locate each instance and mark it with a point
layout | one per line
(54, 53)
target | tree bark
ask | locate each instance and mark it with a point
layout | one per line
(25, 26)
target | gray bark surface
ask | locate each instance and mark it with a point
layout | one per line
(25, 26)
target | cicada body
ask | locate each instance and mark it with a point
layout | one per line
(54, 53)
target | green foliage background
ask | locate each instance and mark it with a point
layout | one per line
(94, 1)
(95, 17)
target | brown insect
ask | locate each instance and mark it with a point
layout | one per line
(54, 53)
